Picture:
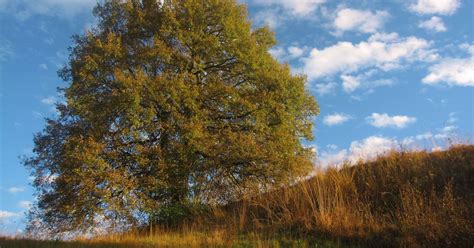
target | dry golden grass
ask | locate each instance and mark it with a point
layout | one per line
(402, 199)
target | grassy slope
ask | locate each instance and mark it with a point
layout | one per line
(403, 199)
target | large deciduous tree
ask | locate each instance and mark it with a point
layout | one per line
(168, 102)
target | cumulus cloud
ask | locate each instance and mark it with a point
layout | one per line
(372, 146)
(384, 120)
(364, 21)
(14, 190)
(435, 24)
(383, 51)
(442, 7)
(452, 71)
(297, 8)
(295, 52)
(333, 158)
(365, 149)
(336, 118)
(24, 9)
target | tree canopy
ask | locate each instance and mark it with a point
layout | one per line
(168, 102)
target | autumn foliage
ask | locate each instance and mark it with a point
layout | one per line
(169, 105)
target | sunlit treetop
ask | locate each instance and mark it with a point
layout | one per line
(168, 103)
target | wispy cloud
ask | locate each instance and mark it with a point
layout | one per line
(50, 100)
(36, 114)
(269, 17)
(299, 8)
(6, 50)
(350, 83)
(24, 9)
(14, 190)
(291, 52)
(43, 66)
(325, 88)
(25, 204)
(7, 214)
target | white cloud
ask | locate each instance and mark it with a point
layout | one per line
(332, 146)
(14, 190)
(364, 21)
(452, 118)
(435, 23)
(384, 120)
(333, 158)
(435, 140)
(443, 7)
(350, 83)
(383, 51)
(364, 150)
(336, 118)
(452, 71)
(292, 52)
(448, 129)
(467, 47)
(25, 204)
(50, 100)
(297, 8)
(295, 52)
(277, 52)
(363, 81)
(24, 9)
(7, 214)
(325, 88)
(271, 18)
(372, 146)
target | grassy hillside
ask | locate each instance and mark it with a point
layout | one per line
(402, 199)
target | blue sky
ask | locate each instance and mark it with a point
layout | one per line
(386, 74)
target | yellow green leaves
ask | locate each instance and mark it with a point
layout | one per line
(170, 104)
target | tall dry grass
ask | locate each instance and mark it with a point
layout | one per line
(401, 199)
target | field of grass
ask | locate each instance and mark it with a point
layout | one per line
(402, 199)
(178, 239)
